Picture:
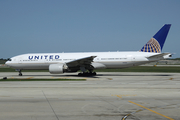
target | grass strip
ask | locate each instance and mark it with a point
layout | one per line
(171, 69)
(3, 80)
(13, 70)
(167, 69)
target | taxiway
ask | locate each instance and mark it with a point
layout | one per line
(107, 96)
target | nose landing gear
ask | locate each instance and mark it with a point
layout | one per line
(20, 74)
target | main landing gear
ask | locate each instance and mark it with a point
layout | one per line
(20, 74)
(87, 74)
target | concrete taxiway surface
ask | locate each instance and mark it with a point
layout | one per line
(107, 96)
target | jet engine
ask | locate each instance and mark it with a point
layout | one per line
(56, 68)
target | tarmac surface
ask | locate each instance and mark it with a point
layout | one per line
(107, 96)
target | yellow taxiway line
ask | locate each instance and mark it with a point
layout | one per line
(151, 110)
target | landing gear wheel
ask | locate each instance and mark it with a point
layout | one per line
(94, 73)
(87, 74)
(20, 74)
(80, 74)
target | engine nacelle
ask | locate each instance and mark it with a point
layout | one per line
(56, 68)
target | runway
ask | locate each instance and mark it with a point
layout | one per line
(107, 96)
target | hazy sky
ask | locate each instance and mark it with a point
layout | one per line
(45, 26)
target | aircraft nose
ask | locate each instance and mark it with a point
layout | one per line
(7, 63)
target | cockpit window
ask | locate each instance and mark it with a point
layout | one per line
(9, 59)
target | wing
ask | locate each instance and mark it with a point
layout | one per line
(81, 62)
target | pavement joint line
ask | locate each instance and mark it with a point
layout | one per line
(50, 105)
(151, 110)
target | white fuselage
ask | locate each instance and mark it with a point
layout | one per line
(108, 59)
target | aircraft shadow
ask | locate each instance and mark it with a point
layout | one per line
(62, 76)
(99, 75)
(133, 74)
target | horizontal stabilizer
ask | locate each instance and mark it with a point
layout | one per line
(159, 55)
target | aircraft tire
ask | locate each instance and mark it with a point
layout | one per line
(94, 73)
(80, 74)
(20, 74)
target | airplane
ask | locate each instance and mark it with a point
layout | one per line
(58, 63)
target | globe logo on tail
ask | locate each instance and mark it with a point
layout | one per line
(152, 46)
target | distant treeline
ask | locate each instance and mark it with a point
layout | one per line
(175, 59)
(2, 61)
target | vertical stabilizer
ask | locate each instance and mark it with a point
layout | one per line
(156, 43)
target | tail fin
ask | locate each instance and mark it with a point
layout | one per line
(156, 43)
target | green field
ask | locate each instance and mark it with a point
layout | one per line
(144, 69)
(6, 69)
(132, 69)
